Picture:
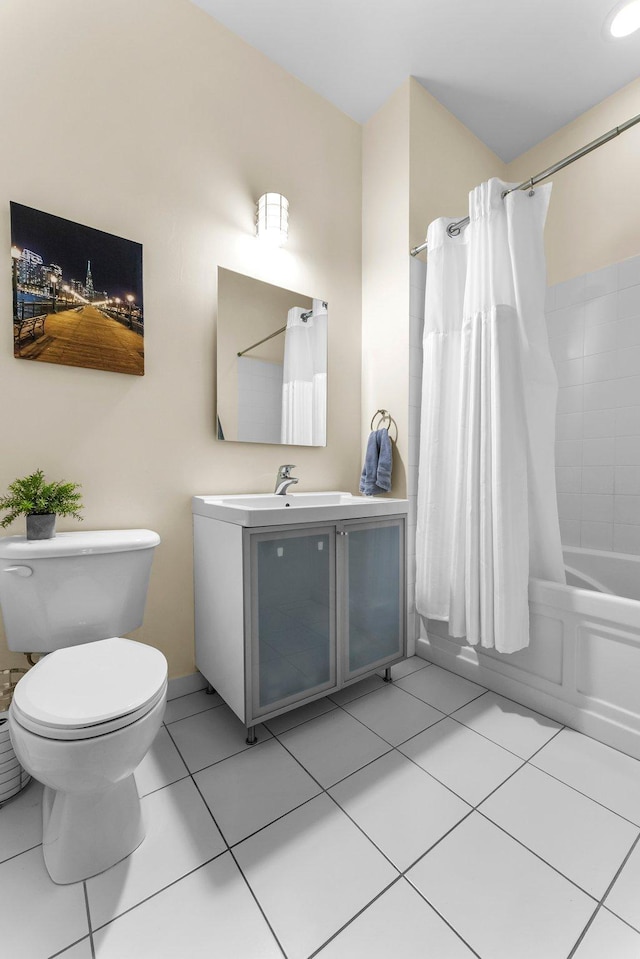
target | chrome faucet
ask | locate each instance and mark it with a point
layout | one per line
(284, 479)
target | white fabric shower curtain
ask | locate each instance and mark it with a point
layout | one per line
(487, 514)
(304, 381)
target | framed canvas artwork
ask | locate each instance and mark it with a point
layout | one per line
(77, 294)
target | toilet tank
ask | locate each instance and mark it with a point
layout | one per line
(75, 588)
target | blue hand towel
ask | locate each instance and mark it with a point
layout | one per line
(376, 472)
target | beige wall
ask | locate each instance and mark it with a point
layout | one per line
(419, 162)
(385, 272)
(594, 216)
(148, 120)
(447, 162)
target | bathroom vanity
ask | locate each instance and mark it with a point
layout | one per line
(296, 596)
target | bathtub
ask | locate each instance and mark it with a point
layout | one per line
(582, 666)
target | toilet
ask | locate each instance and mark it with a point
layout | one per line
(83, 718)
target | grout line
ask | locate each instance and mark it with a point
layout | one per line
(444, 919)
(157, 892)
(243, 749)
(354, 917)
(506, 748)
(61, 952)
(199, 712)
(86, 902)
(586, 928)
(21, 853)
(626, 922)
(601, 902)
(536, 854)
(325, 791)
(586, 795)
(257, 902)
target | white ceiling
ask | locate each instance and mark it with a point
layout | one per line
(512, 71)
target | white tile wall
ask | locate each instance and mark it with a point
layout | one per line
(594, 331)
(259, 400)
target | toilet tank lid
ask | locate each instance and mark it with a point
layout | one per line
(80, 543)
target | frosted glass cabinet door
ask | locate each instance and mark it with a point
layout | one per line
(375, 600)
(292, 616)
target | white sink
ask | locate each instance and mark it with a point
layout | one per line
(267, 509)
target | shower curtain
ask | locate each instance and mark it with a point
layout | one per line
(304, 383)
(487, 514)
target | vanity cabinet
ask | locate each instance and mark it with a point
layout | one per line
(286, 614)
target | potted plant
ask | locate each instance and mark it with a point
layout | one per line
(40, 502)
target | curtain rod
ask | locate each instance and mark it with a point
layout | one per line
(270, 337)
(454, 228)
(303, 316)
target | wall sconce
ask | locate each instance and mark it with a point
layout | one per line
(272, 218)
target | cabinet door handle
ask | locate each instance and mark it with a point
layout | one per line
(341, 532)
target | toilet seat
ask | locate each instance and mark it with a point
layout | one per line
(90, 690)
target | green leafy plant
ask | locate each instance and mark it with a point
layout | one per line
(32, 494)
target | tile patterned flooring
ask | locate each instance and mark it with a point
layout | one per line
(430, 819)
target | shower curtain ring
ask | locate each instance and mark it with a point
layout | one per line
(531, 190)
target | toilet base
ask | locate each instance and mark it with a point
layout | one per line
(86, 833)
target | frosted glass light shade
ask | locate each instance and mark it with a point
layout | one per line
(626, 19)
(272, 221)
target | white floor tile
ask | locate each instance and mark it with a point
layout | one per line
(467, 763)
(624, 898)
(311, 872)
(400, 808)
(608, 938)
(21, 821)
(406, 667)
(180, 836)
(81, 950)
(207, 737)
(584, 841)
(250, 790)
(606, 775)
(189, 705)
(208, 913)
(37, 917)
(399, 924)
(333, 746)
(515, 727)
(501, 899)
(161, 766)
(296, 717)
(352, 692)
(393, 714)
(441, 688)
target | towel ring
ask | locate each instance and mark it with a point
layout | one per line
(384, 417)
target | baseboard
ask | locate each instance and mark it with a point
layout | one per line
(184, 685)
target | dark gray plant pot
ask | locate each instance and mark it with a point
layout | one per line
(41, 525)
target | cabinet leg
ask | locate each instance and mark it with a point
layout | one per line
(387, 675)
(209, 690)
(252, 739)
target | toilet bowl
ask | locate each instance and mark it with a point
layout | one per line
(81, 721)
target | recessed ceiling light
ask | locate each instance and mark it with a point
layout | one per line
(624, 19)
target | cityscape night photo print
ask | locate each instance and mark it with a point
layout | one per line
(77, 294)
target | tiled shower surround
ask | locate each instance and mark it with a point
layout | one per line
(594, 335)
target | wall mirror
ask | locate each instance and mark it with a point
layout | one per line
(272, 363)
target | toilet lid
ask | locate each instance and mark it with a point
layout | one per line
(82, 686)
